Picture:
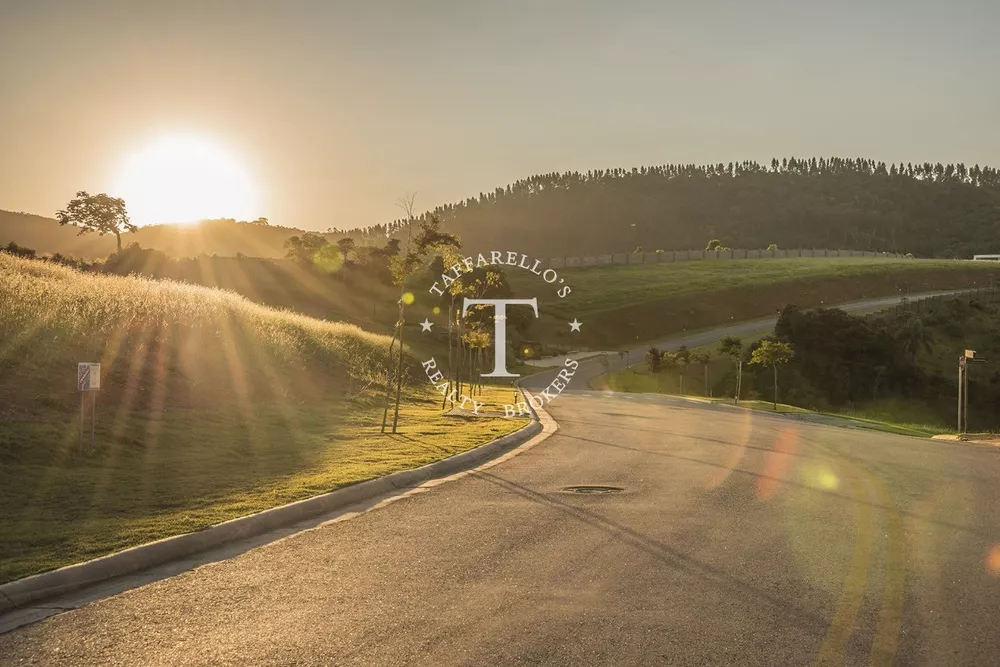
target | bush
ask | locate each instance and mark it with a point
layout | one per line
(17, 250)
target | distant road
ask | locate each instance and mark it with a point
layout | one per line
(737, 538)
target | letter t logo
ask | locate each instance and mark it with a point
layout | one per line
(500, 330)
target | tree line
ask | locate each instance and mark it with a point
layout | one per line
(928, 209)
(828, 359)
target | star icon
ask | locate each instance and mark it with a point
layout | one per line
(426, 325)
(574, 325)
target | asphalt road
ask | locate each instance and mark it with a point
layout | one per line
(738, 539)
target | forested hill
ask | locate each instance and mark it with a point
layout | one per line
(931, 210)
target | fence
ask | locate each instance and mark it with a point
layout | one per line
(694, 255)
(929, 303)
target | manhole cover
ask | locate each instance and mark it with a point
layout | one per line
(593, 488)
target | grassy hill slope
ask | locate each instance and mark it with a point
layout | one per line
(211, 407)
(624, 305)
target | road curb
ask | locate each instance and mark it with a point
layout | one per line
(22, 592)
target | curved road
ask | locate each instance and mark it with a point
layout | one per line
(738, 539)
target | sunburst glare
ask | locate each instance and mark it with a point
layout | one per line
(184, 178)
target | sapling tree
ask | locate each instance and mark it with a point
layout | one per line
(702, 358)
(732, 347)
(772, 353)
(403, 267)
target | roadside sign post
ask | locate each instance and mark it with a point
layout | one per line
(88, 381)
(961, 382)
(963, 387)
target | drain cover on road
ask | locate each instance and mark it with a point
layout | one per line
(593, 488)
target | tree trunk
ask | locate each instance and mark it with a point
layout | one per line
(399, 369)
(118, 235)
(739, 381)
(479, 370)
(471, 380)
(775, 366)
(451, 368)
(401, 319)
(459, 357)
(388, 380)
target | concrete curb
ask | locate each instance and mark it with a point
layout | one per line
(21, 592)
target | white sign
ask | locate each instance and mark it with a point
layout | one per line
(88, 376)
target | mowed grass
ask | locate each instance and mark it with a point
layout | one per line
(211, 408)
(609, 287)
(622, 306)
(195, 468)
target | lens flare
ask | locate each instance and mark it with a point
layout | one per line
(819, 476)
(408, 298)
(328, 259)
(777, 465)
(740, 437)
(993, 560)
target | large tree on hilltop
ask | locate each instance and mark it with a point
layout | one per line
(99, 213)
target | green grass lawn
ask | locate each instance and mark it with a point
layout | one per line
(211, 407)
(622, 306)
(607, 287)
(153, 477)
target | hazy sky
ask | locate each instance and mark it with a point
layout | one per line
(338, 108)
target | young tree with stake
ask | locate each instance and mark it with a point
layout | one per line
(702, 358)
(772, 353)
(682, 357)
(732, 347)
(403, 267)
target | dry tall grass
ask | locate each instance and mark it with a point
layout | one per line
(166, 342)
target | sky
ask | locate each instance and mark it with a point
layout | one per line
(337, 109)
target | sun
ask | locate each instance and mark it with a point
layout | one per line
(185, 178)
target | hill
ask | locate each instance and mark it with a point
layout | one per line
(930, 210)
(619, 305)
(362, 295)
(46, 236)
(226, 238)
(624, 305)
(211, 407)
(174, 339)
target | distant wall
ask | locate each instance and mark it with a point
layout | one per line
(693, 255)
